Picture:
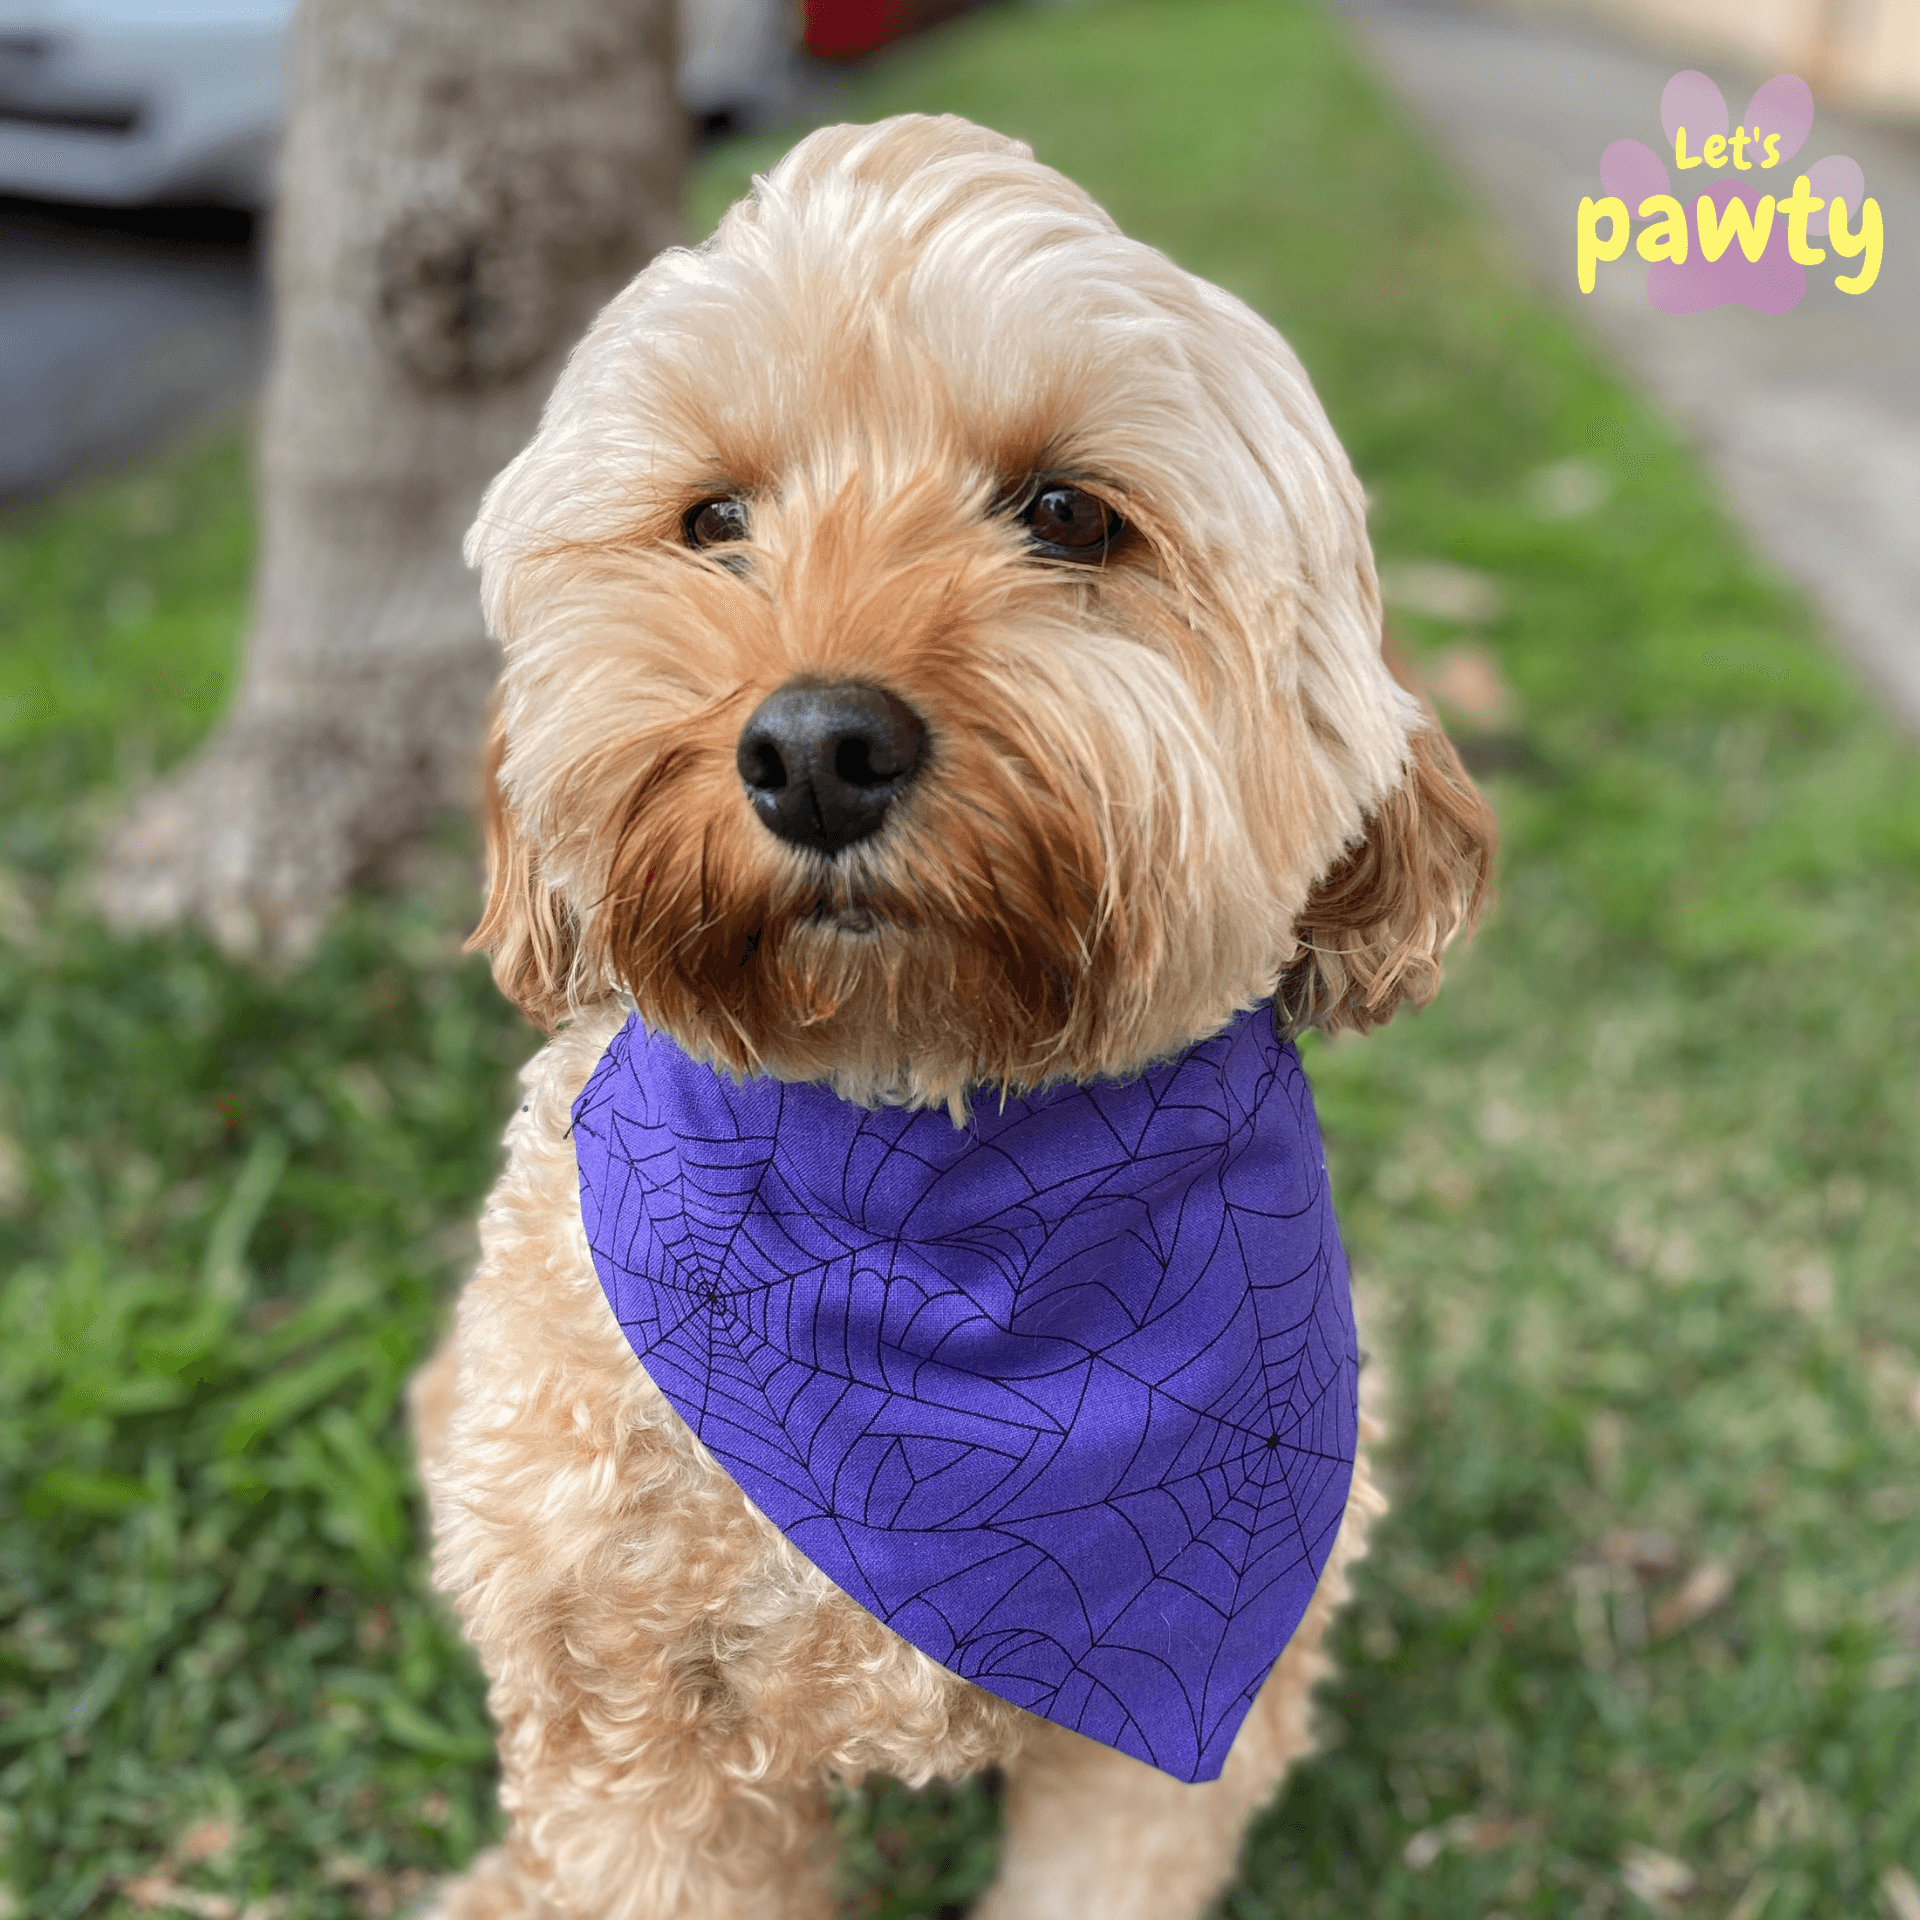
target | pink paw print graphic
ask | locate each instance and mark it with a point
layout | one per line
(1773, 129)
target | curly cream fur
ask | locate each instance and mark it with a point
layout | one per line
(1159, 790)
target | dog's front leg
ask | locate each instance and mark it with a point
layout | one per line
(631, 1843)
(641, 1782)
(641, 1628)
(1092, 1832)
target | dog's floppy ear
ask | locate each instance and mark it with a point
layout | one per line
(528, 933)
(1374, 929)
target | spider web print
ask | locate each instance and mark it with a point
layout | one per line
(1068, 1399)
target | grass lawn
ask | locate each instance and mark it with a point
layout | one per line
(1636, 1204)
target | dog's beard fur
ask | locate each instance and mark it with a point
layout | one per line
(1155, 789)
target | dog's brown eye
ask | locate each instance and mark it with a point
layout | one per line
(1067, 524)
(715, 522)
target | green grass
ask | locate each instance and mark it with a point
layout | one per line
(1636, 1204)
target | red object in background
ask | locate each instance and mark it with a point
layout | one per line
(843, 29)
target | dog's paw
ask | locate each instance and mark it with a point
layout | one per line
(495, 1887)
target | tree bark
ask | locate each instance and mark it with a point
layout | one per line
(464, 183)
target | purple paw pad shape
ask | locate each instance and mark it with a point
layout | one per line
(1782, 108)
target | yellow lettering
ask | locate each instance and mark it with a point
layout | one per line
(1773, 149)
(1668, 240)
(1590, 246)
(1799, 206)
(1740, 159)
(1715, 151)
(1681, 157)
(1870, 240)
(1718, 230)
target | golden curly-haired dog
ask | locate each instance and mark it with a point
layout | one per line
(921, 450)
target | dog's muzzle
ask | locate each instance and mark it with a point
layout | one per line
(822, 765)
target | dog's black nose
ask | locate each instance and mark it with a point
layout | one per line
(823, 764)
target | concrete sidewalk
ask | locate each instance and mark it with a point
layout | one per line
(1811, 419)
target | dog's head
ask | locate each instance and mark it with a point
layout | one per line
(942, 647)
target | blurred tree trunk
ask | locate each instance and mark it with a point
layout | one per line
(464, 183)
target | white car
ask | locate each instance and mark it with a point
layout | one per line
(126, 101)
(123, 102)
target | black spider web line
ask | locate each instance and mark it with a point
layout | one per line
(1297, 1414)
(1236, 1502)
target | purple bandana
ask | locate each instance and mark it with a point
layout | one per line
(1067, 1399)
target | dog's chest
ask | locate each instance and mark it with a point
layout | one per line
(1066, 1399)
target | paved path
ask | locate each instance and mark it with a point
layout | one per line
(1811, 419)
(116, 331)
